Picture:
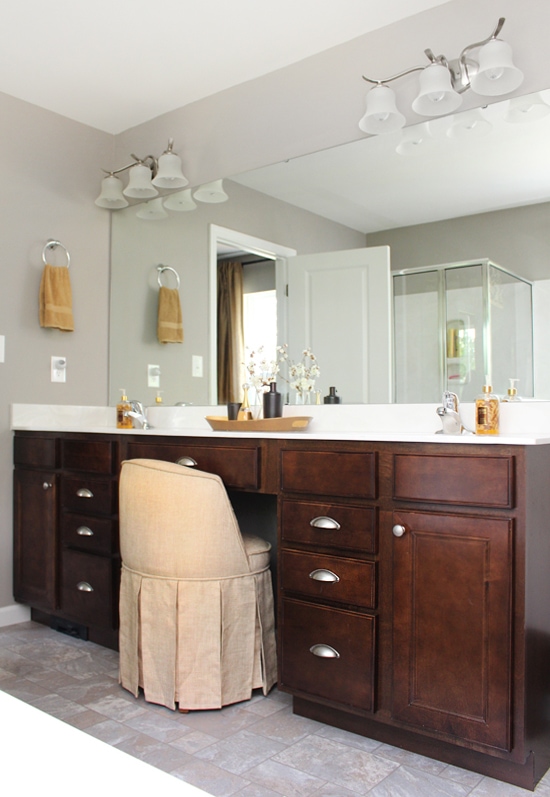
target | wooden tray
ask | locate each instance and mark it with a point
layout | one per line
(290, 424)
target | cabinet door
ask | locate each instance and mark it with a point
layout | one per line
(35, 521)
(452, 581)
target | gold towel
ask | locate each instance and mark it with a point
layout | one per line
(169, 327)
(56, 300)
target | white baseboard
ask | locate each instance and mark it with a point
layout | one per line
(16, 613)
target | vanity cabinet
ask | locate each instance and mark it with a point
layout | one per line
(413, 578)
(328, 574)
(89, 562)
(35, 488)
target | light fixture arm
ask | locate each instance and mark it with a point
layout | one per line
(148, 160)
(460, 69)
(393, 77)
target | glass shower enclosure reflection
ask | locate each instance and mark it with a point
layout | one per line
(455, 323)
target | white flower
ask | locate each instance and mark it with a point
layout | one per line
(302, 375)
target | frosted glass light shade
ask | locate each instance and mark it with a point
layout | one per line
(169, 173)
(182, 200)
(526, 109)
(497, 73)
(381, 115)
(436, 96)
(111, 196)
(139, 185)
(211, 192)
(152, 210)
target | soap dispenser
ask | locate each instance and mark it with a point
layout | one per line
(512, 394)
(158, 398)
(487, 410)
(123, 419)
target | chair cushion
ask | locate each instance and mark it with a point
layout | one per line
(257, 551)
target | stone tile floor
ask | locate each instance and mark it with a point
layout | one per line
(252, 749)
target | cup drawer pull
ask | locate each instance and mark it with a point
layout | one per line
(324, 651)
(83, 492)
(187, 462)
(83, 586)
(324, 575)
(84, 531)
(324, 522)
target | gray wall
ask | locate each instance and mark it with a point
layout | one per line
(517, 239)
(49, 179)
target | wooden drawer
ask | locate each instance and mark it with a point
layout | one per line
(91, 456)
(88, 587)
(335, 526)
(474, 481)
(88, 533)
(83, 494)
(344, 474)
(332, 578)
(238, 467)
(348, 676)
(37, 452)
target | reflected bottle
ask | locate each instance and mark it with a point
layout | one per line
(273, 402)
(245, 413)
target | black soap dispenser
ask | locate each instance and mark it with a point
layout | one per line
(273, 402)
(332, 398)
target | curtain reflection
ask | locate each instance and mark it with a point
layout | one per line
(230, 331)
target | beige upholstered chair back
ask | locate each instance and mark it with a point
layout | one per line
(196, 600)
(183, 525)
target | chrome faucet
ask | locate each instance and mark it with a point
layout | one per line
(449, 414)
(138, 416)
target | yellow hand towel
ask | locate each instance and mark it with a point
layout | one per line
(169, 327)
(56, 300)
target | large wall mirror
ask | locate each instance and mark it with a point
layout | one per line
(472, 186)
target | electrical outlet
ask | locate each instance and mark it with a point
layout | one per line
(196, 367)
(153, 376)
(59, 369)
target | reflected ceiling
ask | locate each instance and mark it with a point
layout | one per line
(476, 161)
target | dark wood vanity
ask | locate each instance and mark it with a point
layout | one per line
(413, 578)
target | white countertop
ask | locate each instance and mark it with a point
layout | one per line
(41, 755)
(522, 423)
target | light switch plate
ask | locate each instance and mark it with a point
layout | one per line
(153, 375)
(196, 367)
(59, 369)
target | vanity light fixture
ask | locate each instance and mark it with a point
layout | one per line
(211, 192)
(146, 175)
(490, 73)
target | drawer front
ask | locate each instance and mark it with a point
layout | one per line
(330, 525)
(83, 494)
(88, 586)
(344, 474)
(237, 467)
(88, 533)
(37, 452)
(346, 676)
(475, 481)
(92, 456)
(332, 578)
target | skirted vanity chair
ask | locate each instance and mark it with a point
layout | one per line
(196, 598)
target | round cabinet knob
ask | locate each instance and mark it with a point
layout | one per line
(398, 530)
(46, 485)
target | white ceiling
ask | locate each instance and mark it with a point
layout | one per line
(114, 64)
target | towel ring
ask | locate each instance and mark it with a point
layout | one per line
(162, 269)
(52, 245)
